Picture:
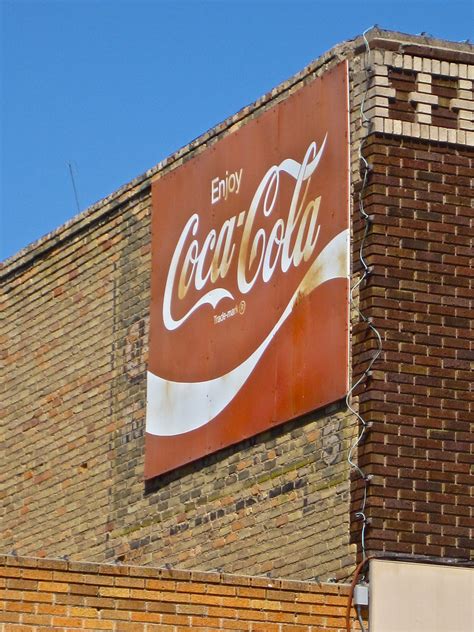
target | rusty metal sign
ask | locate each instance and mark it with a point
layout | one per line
(249, 308)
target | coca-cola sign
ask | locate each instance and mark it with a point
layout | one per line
(249, 311)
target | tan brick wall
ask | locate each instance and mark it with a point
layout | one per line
(61, 596)
(76, 308)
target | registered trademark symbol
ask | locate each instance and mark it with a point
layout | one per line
(242, 307)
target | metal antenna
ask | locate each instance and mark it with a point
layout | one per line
(74, 187)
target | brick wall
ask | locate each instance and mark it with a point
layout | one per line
(419, 399)
(74, 344)
(60, 595)
(76, 307)
(420, 447)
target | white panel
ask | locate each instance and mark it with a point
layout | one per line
(413, 597)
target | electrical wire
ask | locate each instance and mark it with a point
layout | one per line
(357, 572)
(359, 617)
(366, 271)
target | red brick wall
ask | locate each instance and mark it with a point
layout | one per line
(65, 596)
(420, 448)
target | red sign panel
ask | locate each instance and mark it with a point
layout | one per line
(249, 312)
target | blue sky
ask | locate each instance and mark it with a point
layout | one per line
(114, 86)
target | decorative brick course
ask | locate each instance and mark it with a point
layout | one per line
(421, 97)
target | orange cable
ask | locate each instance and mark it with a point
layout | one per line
(351, 591)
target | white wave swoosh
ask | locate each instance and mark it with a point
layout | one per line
(177, 407)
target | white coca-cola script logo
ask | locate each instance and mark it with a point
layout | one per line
(203, 264)
(200, 264)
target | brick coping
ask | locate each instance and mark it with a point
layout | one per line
(150, 572)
